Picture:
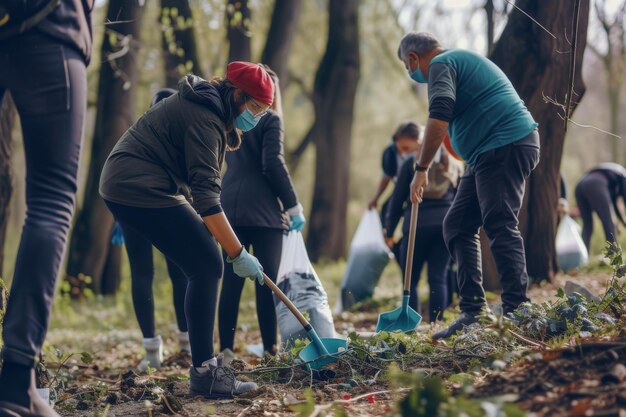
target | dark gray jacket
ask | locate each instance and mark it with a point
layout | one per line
(172, 154)
(257, 186)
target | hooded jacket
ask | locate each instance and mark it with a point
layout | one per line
(172, 154)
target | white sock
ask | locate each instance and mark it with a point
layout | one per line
(152, 343)
(183, 341)
(206, 365)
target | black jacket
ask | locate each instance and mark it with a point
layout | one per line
(70, 23)
(172, 154)
(431, 211)
(257, 186)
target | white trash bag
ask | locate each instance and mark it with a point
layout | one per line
(298, 280)
(369, 255)
(570, 249)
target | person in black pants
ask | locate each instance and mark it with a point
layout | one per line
(597, 191)
(44, 69)
(495, 134)
(172, 155)
(139, 251)
(402, 147)
(261, 204)
(430, 247)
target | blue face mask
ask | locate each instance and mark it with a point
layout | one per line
(417, 75)
(246, 120)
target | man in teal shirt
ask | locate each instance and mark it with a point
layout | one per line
(491, 129)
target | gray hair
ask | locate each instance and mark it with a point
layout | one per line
(421, 43)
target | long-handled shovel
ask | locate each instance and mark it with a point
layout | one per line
(404, 318)
(321, 351)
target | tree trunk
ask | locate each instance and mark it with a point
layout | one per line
(238, 30)
(280, 37)
(333, 98)
(7, 116)
(614, 96)
(180, 54)
(91, 237)
(537, 66)
(489, 11)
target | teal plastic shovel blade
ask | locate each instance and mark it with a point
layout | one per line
(402, 319)
(322, 351)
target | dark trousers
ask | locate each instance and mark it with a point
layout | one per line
(490, 194)
(592, 194)
(139, 251)
(267, 246)
(430, 249)
(181, 235)
(47, 81)
(397, 248)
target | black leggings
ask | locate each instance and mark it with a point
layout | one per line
(47, 81)
(592, 194)
(181, 235)
(267, 246)
(139, 251)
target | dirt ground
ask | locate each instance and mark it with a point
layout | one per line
(580, 379)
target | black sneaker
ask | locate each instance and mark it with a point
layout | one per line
(457, 325)
(217, 382)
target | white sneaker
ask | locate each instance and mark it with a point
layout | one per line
(154, 354)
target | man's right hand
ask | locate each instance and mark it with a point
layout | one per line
(372, 204)
(390, 242)
(420, 181)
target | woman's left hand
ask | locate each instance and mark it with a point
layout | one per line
(296, 217)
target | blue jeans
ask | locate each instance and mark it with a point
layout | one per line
(47, 81)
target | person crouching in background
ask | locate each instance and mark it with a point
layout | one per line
(597, 191)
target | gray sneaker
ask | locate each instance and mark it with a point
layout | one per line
(457, 325)
(218, 382)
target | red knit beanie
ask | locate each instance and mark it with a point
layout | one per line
(252, 79)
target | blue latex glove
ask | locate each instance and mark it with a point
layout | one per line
(297, 222)
(247, 266)
(117, 236)
(296, 217)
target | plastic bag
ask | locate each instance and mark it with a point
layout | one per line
(570, 250)
(368, 258)
(298, 280)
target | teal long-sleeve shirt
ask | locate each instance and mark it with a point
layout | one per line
(478, 100)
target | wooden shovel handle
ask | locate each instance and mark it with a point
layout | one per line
(303, 321)
(408, 268)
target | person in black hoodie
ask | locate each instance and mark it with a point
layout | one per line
(172, 155)
(44, 69)
(139, 252)
(597, 191)
(261, 204)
